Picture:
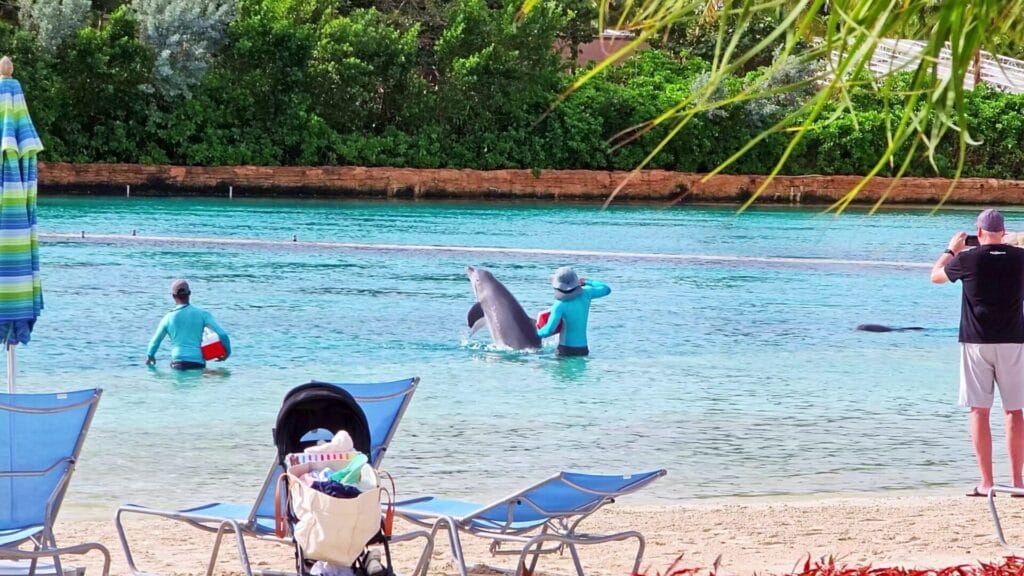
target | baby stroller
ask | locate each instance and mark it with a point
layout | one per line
(323, 527)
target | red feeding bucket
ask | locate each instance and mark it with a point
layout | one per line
(212, 347)
(542, 319)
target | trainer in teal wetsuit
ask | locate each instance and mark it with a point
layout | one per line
(572, 304)
(185, 326)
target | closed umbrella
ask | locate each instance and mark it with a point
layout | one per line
(21, 293)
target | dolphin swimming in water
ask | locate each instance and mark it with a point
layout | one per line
(880, 328)
(498, 308)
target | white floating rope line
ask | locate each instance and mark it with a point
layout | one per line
(385, 247)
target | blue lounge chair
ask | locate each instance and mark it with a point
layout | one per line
(41, 436)
(383, 403)
(549, 511)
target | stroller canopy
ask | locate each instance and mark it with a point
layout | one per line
(318, 406)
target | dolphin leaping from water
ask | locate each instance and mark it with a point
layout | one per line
(496, 307)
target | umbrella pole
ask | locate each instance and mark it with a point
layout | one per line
(10, 369)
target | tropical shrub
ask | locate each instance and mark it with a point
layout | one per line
(452, 83)
(184, 35)
(364, 74)
(54, 22)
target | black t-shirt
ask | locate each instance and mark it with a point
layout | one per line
(992, 311)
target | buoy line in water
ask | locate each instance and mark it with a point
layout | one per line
(357, 246)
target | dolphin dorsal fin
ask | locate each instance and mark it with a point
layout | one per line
(475, 314)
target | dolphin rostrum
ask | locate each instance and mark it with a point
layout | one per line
(880, 328)
(509, 324)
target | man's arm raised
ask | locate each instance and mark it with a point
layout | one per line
(956, 244)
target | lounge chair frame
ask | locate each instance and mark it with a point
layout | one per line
(250, 527)
(44, 543)
(999, 488)
(559, 527)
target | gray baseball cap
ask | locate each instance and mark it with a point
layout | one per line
(180, 287)
(991, 220)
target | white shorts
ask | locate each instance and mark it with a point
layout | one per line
(985, 366)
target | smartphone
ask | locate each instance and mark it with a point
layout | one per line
(971, 240)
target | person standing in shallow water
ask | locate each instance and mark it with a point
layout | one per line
(572, 304)
(991, 337)
(185, 325)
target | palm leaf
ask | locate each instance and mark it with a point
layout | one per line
(847, 33)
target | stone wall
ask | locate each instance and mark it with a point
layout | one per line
(358, 182)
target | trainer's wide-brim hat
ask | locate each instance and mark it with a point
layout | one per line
(566, 283)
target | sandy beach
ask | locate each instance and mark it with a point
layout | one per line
(762, 535)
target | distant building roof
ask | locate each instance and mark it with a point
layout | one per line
(604, 45)
(1000, 72)
(612, 33)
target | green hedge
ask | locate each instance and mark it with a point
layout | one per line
(322, 87)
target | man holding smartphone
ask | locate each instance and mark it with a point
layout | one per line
(991, 337)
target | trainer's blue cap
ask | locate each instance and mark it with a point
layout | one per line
(180, 288)
(991, 221)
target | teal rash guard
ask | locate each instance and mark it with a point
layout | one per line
(575, 312)
(185, 326)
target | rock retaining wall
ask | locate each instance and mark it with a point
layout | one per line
(359, 182)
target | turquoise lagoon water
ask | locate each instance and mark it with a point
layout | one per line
(741, 377)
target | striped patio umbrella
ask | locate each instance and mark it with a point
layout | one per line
(21, 293)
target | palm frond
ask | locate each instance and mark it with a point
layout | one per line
(845, 35)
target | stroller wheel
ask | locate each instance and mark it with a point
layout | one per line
(373, 565)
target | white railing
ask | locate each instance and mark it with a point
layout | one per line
(1000, 72)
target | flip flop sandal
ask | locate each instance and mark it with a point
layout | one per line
(975, 493)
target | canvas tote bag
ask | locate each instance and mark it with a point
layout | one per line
(332, 529)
